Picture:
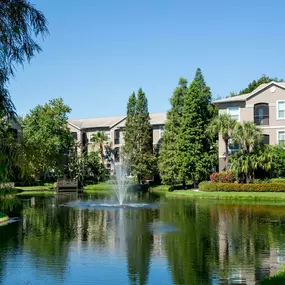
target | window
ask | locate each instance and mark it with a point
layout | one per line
(74, 134)
(281, 137)
(234, 112)
(261, 114)
(280, 109)
(233, 147)
(265, 139)
(84, 139)
(117, 154)
(117, 137)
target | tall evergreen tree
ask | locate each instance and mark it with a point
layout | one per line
(130, 131)
(138, 148)
(169, 162)
(193, 143)
(144, 157)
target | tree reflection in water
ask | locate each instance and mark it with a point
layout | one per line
(227, 242)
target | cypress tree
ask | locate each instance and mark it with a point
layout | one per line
(138, 137)
(169, 163)
(130, 131)
(192, 140)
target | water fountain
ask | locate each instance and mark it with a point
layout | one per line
(120, 187)
(122, 183)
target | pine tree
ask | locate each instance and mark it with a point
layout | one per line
(138, 149)
(169, 162)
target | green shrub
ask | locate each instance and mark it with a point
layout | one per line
(261, 181)
(222, 177)
(235, 187)
(208, 186)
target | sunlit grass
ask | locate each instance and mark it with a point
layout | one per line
(228, 195)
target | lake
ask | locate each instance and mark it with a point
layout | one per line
(69, 239)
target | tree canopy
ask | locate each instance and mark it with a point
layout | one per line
(256, 83)
(20, 24)
(168, 162)
(46, 136)
(138, 149)
(187, 152)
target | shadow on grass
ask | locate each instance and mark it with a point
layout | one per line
(180, 187)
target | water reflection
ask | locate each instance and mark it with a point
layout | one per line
(182, 242)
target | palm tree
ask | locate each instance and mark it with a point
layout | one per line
(250, 157)
(100, 139)
(247, 135)
(261, 157)
(223, 125)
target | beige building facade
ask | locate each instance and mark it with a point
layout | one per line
(113, 128)
(265, 106)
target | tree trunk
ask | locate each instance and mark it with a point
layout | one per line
(227, 153)
(247, 178)
(184, 184)
(139, 179)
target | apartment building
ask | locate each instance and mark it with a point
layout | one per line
(113, 128)
(265, 106)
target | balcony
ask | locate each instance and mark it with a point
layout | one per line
(261, 120)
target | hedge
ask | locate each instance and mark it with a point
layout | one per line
(222, 177)
(209, 186)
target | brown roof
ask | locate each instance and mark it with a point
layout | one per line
(110, 122)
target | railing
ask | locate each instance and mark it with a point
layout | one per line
(261, 120)
(66, 185)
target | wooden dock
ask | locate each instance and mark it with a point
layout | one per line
(66, 185)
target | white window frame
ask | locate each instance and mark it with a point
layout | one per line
(277, 110)
(228, 111)
(277, 136)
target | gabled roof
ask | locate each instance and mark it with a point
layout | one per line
(105, 122)
(155, 119)
(244, 97)
(110, 122)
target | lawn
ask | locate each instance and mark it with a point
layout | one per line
(36, 192)
(103, 188)
(45, 187)
(159, 188)
(258, 196)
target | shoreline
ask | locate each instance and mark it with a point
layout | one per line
(237, 196)
(3, 218)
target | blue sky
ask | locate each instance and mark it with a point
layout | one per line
(99, 52)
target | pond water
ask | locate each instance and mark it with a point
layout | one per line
(71, 240)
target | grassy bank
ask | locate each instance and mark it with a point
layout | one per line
(36, 192)
(159, 188)
(102, 188)
(257, 196)
(45, 187)
(3, 218)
